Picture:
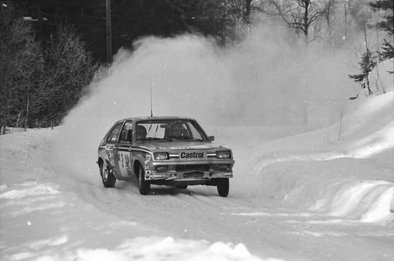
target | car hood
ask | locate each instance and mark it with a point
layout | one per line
(181, 146)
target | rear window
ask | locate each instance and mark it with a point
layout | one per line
(113, 135)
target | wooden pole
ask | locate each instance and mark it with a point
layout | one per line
(108, 31)
(27, 109)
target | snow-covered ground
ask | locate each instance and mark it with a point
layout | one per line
(299, 192)
(325, 194)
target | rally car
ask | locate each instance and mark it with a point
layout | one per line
(170, 151)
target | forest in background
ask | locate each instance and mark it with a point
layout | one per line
(50, 50)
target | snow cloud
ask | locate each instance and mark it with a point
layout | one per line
(262, 80)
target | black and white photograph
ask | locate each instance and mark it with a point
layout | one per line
(201, 130)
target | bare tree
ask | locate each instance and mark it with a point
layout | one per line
(300, 15)
(346, 13)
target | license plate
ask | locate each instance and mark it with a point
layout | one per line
(193, 175)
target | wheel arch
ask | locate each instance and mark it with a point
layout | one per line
(100, 162)
(136, 166)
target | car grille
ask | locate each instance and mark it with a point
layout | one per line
(193, 175)
(192, 167)
(221, 167)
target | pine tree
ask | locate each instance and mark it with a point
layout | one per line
(20, 66)
(367, 64)
(387, 24)
(368, 61)
(39, 83)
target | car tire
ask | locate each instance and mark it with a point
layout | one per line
(107, 176)
(223, 186)
(143, 185)
(182, 187)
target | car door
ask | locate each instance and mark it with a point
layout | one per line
(123, 149)
(111, 147)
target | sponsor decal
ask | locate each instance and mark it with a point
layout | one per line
(127, 161)
(192, 155)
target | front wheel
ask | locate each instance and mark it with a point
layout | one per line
(107, 176)
(223, 186)
(143, 185)
(181, 187)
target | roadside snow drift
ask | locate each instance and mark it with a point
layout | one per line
(345, 170)
(150, 249)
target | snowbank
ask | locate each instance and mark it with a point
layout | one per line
(150, 249)
(344, 170)
(381, 78)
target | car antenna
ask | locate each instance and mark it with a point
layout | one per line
(151, 110)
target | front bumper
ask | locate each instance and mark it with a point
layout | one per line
(188, 171)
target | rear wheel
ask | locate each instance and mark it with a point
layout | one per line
(143, 185)
(107, 176)
(181, 187)
(223, 186)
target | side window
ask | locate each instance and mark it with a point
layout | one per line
(195, 133)
(113, 135)
(125, 134)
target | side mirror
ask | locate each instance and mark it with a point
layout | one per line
(211, 138)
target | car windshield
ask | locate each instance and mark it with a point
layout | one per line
(169, 130)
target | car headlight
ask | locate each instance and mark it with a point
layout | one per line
(225, 154)
(161, 155)
(148, 158)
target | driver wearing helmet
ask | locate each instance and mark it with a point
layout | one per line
(178, 130)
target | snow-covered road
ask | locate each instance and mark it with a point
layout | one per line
(303, 197)
(298, 192)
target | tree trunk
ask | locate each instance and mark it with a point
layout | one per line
(39, 21)
(27, 110)
(108, 31)
(367, 50)
(346, 11)
(8, 107)
(306, 20)
(247, 11)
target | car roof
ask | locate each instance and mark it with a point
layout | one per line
(147, 118)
